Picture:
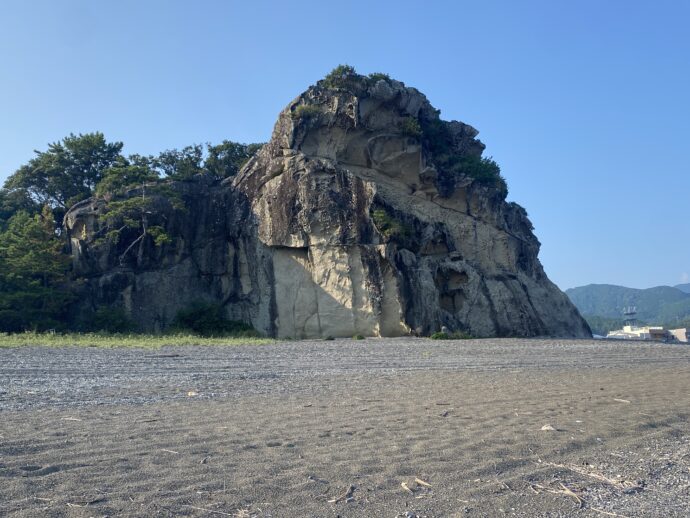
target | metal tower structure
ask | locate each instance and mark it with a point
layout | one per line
(630, 315)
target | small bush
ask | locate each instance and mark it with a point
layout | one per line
(111, 320)
(159, 235)
(306, 111)
(485, 170)
(378, 76)
(458, 335)
(358, 337)
(340, 77)
(389, 226)
(208, 319)
(411, 127)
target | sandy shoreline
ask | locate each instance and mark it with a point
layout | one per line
(621, 442)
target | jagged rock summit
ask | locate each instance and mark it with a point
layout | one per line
(364, 214)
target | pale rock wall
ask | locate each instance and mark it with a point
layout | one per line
(322, 291)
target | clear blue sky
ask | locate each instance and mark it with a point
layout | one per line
(585, 105)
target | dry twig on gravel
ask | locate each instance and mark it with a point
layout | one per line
(620, 484)
(562, 491)
(601, 511)
(209, 510)
(344, 496)
(421, 482)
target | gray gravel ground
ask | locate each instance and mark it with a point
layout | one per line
(34, 377)
(283, 429)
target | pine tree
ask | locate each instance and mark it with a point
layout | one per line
(33, 273)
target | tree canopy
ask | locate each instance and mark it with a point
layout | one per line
(67, 172)
(227, 158)
(84, 165)
(35, 288)
(33, 271)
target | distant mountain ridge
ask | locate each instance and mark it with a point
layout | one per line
(662, 305)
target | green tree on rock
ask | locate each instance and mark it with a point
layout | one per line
(123, 174)
(14, 201)
(68, 172)
(227, 158)
(180, 164)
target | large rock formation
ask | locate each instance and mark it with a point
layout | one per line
(360, 216)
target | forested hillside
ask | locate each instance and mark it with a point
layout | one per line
(602, 305)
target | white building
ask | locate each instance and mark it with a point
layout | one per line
(682, 334)
(631, 332)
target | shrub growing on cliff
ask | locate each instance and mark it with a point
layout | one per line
(306, 111)
(485, 170)
(458, 335)
(208, 319)
(389, 226)
(340, 77)
(438, 139)
(379, 76)
(410, 127)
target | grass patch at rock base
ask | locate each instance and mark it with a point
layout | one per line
(459, 335)
(122, 340)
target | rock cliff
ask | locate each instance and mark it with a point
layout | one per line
(364, 214)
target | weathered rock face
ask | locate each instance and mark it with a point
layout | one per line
(342, 224)
(214, 256)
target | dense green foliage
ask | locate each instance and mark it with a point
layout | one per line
(67, 172)
(209, 319)
(180, 164)
(33, 271)
(341, 76)
(227, 158)
(106, 320)
(389, 226)
(123, 174)
(80, 166)
(13, 202)
(662, 305)
(306, 111)
(411, 127)
(345, 77)
(379, 76)
(35, 282)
